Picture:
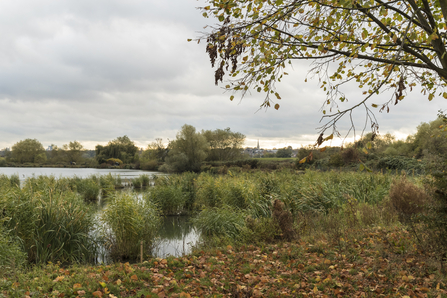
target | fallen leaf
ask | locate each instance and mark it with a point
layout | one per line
(59, 278)
(97, 294)
(134, 277)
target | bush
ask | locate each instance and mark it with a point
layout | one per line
(150, 165)
(350, 155)
(259, 230)
(127, 220)
(336, 160)
(407, 199)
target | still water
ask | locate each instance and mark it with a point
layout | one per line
(176, 236)
(72, 172)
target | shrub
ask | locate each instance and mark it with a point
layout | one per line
(336, 160)
(407, 199)
(126, 221)
(150, 165)
(259, 230)
(350, 155)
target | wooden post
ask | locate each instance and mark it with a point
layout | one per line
(141, 251)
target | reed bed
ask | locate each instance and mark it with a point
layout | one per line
(125, 222)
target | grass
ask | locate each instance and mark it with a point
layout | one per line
(373, 266)
(349, 238)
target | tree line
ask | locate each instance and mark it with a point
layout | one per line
(185, 153)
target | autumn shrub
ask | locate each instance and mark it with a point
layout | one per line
(350, 155)
(126, 221)
(407, 199)
(259, 230)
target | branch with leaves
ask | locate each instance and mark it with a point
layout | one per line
(379, 45)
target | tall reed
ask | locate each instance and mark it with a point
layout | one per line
(52, 225)
(126, 221)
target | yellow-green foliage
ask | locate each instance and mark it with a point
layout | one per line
(126, 221)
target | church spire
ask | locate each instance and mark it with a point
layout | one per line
(258, 144)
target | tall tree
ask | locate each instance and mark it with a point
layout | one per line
(29, 150)
(187, 151)
(224, 144)
(121, 148)
(379, 45)
(73, 151)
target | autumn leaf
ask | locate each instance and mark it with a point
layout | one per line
(59, 278)
(77, 286)
(97, 294)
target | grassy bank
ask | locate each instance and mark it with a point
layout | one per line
(377, 262)
(283, 233)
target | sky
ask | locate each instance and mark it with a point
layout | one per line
(92, 71)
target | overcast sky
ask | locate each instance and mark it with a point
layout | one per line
(94, 70)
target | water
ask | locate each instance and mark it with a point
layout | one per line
(177, 235)
(25, 173)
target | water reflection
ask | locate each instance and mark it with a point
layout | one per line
(177, 236)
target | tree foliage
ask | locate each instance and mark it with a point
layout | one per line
(121, 148)
(378, 45)
(155, 151)
(225, 145)
(285, 152)
(29, 150)
(187, 151)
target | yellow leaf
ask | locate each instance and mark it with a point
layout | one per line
(303, 160)
(315, 290)
(365, 151)
(59, 278)
(77, 286)
(118, 282)
(103, 284)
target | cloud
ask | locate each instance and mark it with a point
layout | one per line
(93, 71)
